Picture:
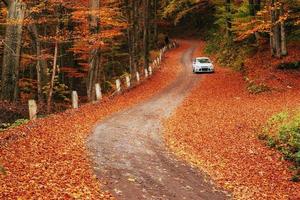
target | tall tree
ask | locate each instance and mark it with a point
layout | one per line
(277, 33)
(94, 58)
(12, 49)
(146, 28)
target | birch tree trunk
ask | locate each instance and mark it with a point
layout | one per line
(12, 50)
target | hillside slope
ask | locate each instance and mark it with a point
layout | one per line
(216, 129)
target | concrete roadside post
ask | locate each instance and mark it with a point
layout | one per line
(127, 81)
(98, 92)
(150, 70)
(32, 109)
(160, 56)
(74, 100)
(118, 85)
(137, 76)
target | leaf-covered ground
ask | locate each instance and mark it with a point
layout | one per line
(216, 129)
(48, 159)
(264, 69)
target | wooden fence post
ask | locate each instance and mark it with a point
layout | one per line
(32, 109)
(118, 85)
(74, 100)
(98, 92)
(127, 81)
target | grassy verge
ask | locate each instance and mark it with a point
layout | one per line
(19, 122)
(282, 132)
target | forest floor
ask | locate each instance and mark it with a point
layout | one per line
(214, 126)
(48, 159)
(217, 126)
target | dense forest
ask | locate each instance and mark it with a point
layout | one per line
(229, 132)
(50, 48)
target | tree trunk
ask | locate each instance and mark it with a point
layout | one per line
(272, 31)
(94, 60)
(136, 35)
(41, 65)
(12, 50)
(130, 34)
(52, 77)
(154, 23)
(283, 36)
(155, 34)
(146, 34)
(277, 33)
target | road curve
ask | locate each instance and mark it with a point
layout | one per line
(130, 155)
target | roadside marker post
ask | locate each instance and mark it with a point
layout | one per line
(118, 85)
(127, 81)
(146, 73)
(74, 100)
(98, 92)
(137, 76)
(150, 70)
(32, 109)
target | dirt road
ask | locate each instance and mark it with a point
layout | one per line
(130, 155)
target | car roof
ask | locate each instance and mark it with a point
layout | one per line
(202, 58)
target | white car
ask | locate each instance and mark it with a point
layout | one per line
(203, 64)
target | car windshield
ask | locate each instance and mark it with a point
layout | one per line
(203, 60)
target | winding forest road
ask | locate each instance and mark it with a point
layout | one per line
(130, 155)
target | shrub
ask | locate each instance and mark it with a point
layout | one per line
(61, 91)
(19, 122)
(282, 132)
(289, 66)
(255, 88)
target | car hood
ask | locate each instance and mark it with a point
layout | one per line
(204, 65)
